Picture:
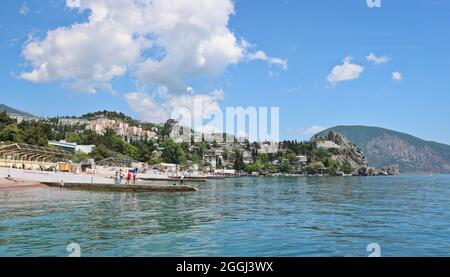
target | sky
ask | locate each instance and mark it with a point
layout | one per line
(323, 62)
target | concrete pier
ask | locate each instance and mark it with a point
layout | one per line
(131, 188)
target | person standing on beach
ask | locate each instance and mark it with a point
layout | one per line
(134, 178)
(117, 178)
(129, 177)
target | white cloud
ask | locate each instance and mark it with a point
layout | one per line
(397, 76)
(345, 72)
(164, 106)
(161, 42)
(146, 107)
(377, 59)
(311, 130)
(260, 55)
(24, 9)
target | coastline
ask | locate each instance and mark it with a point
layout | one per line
(7, 184)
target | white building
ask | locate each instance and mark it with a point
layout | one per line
(72, 147)
(73, 121)
(23, 118)
(300, 160)
(269, 147)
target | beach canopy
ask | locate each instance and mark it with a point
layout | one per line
(27, 152)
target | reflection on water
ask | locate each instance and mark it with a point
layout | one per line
(329, 216)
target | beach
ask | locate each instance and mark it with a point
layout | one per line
(8, 184)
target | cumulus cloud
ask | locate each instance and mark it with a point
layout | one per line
(345, 72)
(377, 59)
(397, 76)
(187, 108)
(146, 106)
(161, 42)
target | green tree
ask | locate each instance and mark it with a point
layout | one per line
(284, 167)
(257, 166)
(347, 168)
(11, 133)
(238, 161)
(78, 157)
(156, 157)
(5, 120)
(173, 153)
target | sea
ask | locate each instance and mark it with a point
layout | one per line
(397, 216)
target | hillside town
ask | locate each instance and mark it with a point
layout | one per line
(111, 136)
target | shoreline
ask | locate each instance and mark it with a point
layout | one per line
(7, 184)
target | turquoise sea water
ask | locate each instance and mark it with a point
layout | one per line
(407, 215)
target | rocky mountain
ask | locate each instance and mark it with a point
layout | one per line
(344, 152)
(384, 147)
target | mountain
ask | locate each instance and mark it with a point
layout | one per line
(7, 109)
(384, 147)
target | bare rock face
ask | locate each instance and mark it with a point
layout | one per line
(339, 139)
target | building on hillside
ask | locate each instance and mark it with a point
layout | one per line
(72, 147)
(300, 160)
(248, 157)
(225, 172)
(23, 118)
(122, 129)
(212, 156)
(73, 121)
(269, 148)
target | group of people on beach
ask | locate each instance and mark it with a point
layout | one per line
(128, 179)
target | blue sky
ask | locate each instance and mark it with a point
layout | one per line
(408, 37)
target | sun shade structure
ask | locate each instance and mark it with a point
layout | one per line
(117, 162)
(27, 152)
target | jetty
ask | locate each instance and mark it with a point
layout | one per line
(172, 179)
(122, 188)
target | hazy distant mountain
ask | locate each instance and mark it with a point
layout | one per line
(4, 108)
(384, 147)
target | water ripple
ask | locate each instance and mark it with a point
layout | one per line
(407, 215)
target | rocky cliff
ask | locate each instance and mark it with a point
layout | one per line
(384, 147)
(347, 153)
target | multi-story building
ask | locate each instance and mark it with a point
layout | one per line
(23, 118)
(122, 129)
(73, 121)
